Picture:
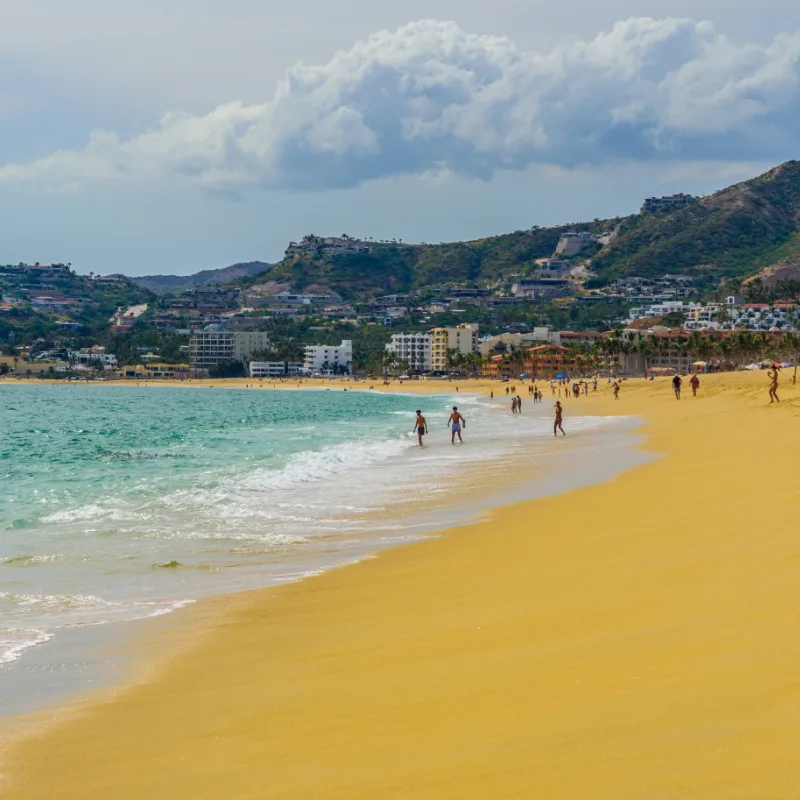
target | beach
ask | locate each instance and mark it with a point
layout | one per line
(634, 638)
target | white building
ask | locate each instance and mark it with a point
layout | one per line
(329, 358)
(275, 369)
(413, 348)
(93, 356)
(661, 309)
(764, 317)
(214, 346)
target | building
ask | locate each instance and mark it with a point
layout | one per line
(543, 362)
(661, 309)
(505, 341)
(548, 360)
(213, 346)
(275, 369)
(571, 243)
(93, 356)
(166, 371)
(702, 317)
(412, 348)
(328, 358)
(328, 245)
(667, 202)
(765, 316)
(463, 339)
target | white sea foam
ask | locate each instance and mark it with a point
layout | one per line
(15, 641)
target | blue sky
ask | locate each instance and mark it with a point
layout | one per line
(174, 136)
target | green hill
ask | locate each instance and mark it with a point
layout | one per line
(734, 233)
(392, 268)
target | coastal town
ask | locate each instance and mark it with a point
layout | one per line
(553, 314)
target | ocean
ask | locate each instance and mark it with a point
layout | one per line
(120, 503)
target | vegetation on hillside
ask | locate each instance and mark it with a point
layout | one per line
(733, 233)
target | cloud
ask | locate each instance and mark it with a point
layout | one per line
(430, 96)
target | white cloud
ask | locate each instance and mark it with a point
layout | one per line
(429, 96)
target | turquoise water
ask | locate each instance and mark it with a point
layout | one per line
(118, 503)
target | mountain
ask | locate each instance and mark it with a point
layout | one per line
(734, 233)
(174, 284)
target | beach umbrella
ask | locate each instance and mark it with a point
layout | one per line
(558, 377)
(524, 375)
(700, 364)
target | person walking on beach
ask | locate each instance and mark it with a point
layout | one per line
(456, 422)
(676, 386)
(557, 424)
(491, 395)
(773, 387)
(695, 384)
(519, 404)
(616, 390)
(420, 426)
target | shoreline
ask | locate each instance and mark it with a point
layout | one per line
(85, 659)
(642, 626)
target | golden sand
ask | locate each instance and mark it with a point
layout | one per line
(636, 639)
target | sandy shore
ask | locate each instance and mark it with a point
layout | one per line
(636, 639)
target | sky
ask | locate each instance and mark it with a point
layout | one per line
(172, 136)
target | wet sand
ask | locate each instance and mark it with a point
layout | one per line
(632, 639)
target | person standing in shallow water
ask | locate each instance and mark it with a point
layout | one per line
(456, 422)
(420, 426)
(559, 419)
(773, 387)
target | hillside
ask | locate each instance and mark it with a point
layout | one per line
(174, 284)
(734, 233)
(392, 268)
(68, 298)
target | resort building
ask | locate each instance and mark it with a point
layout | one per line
(412, 348)
(766, 316)
(542, 362)
(213, 346)
(328, 358)
(275, 369)
(463, 339)
(661, 309)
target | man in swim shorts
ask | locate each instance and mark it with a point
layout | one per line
(420, 427)
(456, 422)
